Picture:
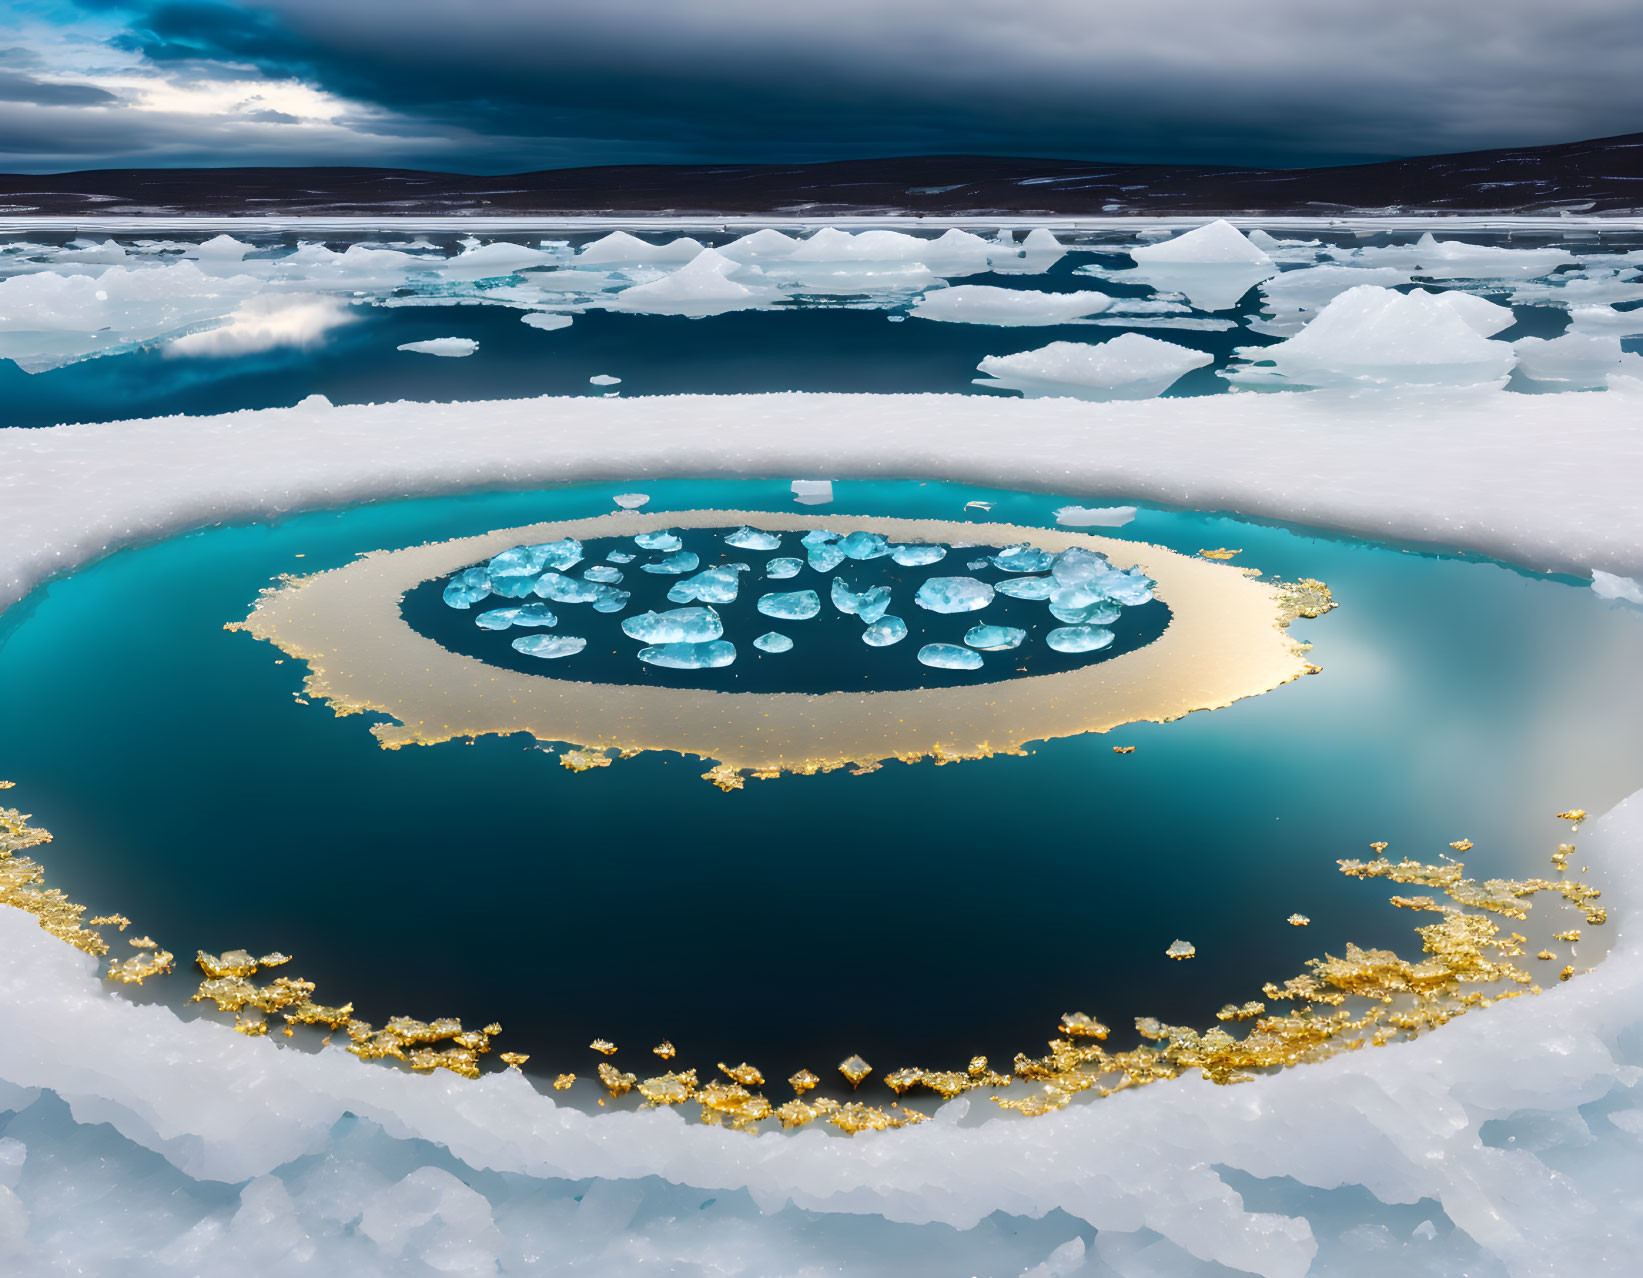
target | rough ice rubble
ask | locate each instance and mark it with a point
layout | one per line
(1129, 366)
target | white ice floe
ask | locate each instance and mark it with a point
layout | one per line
(448, 347)
(1095, 516)
(1578, 359)
(546, 320)
(604, 379)
(1457, 260)
(1219, 243)
(620, 248)
(989, 304)
(1605, 321)
(812, 492)
(1129, 366)
(1291, 299)
(1373, 336)
(1607, 585)
(700, 288)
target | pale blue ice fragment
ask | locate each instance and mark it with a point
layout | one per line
(619, 557)
(690, 656)
(1101, 612)
(603, 572)
(518, 562)
(517, 587)
(1023, 558)
(679, 561)
(884, 632)
(1076, 565)
(865, 545)
(496, 618)
(534, 615)
(610, 599)
(676, 625)
(949, 656)
(1129, 588)
(953, 594)
(792, 605)
(778, 569)
(826, 557)
(745, 538)
(1026, 587)
(711, 585)
(994, 638)
(874, 604)
(549, 645)
(773, 641)
(661, 539)
(917, 556)
(559, 555)
(467, 588)
(976, 565)
(563, 589)
(1078, 638)
(818, 537)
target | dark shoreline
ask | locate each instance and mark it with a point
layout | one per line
(1597, 178)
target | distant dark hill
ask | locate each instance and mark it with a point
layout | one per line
(1602, 176)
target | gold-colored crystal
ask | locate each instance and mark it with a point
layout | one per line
(603, 1046)
(513, 1060)
(855, 1069)
(1577, 815)
(665, 1050)
(1123, 749)
(1299, 920)
(744, 1074)
(563, 1082)
(1221, 552)
(616, 1082)
(803, 1081)
(1181, 949)
(1462, 845)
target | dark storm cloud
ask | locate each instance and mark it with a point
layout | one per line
(22, 88)
(1281, 81)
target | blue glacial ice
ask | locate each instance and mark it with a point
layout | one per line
(994, 638)
(780, 569)
(1099, 611)
(530, 615)
(792, 605)
(690, 656)
(676, 625)
(603, 572)
(610, 599)
(711, 585)
(818, 537)
(678, 562)
(826, 557)
(1026, 587)
(869, 605)
(661, 539)
(1023, 558)
(953, 594)
(884, 632)
(745, 538)
(563, 589)
(559, 555)
(865, 545)
(517, 586)
(917, 556)
(948, 656)
(773, 641)
(1078, 638)
(1076, 565)
(620, 557)
(467, 588)
(549, 645)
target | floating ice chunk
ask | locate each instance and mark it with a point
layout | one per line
(677, 625)
(762, 246)
(610, 599)
(604, 379)
(678, 562)
(1129, 366)
(449, 347)
(620, 557)
(778, 569)
(884, 280)
(620, 247)
(488, 261)
(976, 565)
(1605, 321)
(1578, 359)
(819, 537)
(1095, 516)
(1026, 587)
(884, 632)
(812, 492)
(825, 557)
(773, 641)
(219, 248)
(870, 605)
(1076, 565)
(1191, 323)
(1131, 588)
(524, 560)
(661, 539)
(1582, 288)
(698, 289)
(563, 589)
(496, 618)
(711, 585)
(513, 586)
(267, 322)
(603, 572)
(690, 656)
(745, 538)
(1041, 242)
(1070, 609)
(467, 587)
(988, 304)
(631, 501)
(546, 320)
(1078, 638)
(1219, 243)
(1454, 259)
(1375, 336)
(530, 615)
(549, 646)
(994, 638)
(792, 605)
(1023, 558)
(916, 556)
(1181, 950)
(948, 656)
(865, 545)
(1293, 298)
(1607, 585)
(953, 594)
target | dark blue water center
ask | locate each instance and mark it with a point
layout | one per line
(916, 914)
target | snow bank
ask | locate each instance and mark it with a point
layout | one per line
(1128, 367)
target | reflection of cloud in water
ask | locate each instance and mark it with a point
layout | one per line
(267, 321)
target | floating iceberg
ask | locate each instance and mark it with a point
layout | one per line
(1022, 558)
(1608, 585)
(994, 638)
(711, 585)
(1373, 336)
(698, 289)
(610, 599)
(947, 656)
(1026, 587)
(546, 320)
(1605, 321)
(1068, 607)
(1453, 259)
(632, 501)
(1078, 638)
(1076, 565)
(1219, 243)
(819, 537)
(549, 646)
(745, 538)
(825, 557)
(1095, 516)
(661, 539)
(1579, 359)
(884, 632)
(620, 248)
(988, 304)
(1129, 366)
(529, 615)
(917, 556)
(604, 379)
(603, 572)
(690, 656)
(792, 605)
(1213, 266)
(526, 560)
(869, 605)
(677, 625)
(865, 545)
(778, 569)
(678, 562)
(467, 587)
(773, 641)
(449, 347)
(563, 589)
(620, 557)
(953, 594)
(1290, 300)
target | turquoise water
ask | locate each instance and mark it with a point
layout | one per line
(916, 914)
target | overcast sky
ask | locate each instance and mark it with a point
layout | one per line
(506, 85)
